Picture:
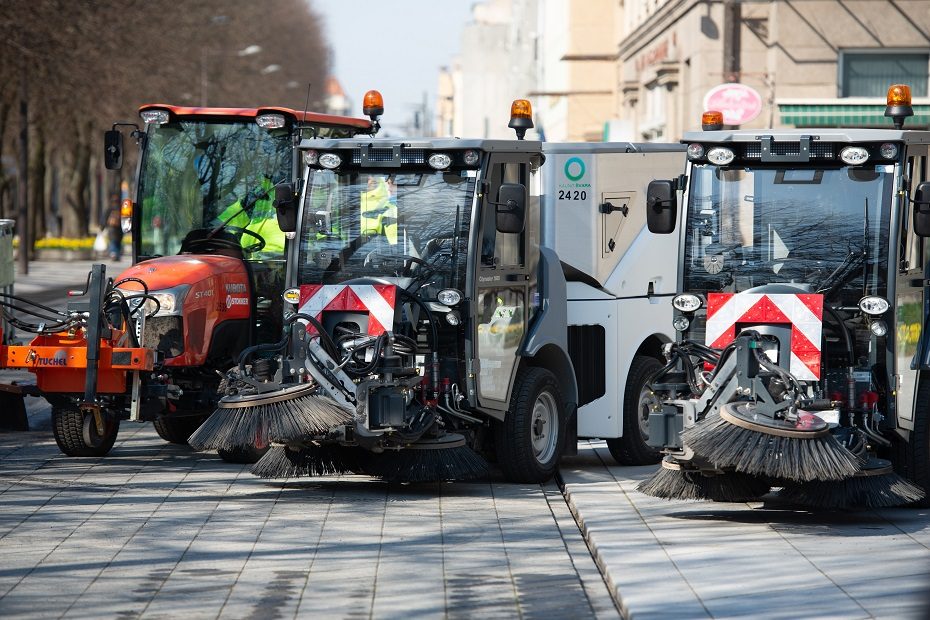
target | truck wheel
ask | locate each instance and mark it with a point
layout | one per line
(176, 429)
(76, 433)
(632, 449)
(245, 456)
(531, 439)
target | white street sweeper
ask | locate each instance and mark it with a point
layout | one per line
(452, 299)
(803, 360)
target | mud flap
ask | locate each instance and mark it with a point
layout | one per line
(12, 409)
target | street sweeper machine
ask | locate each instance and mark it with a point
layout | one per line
(209, 268)
(802, 361)
(451, 300)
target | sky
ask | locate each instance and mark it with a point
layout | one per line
(394, 46)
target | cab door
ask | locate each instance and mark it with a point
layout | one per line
(502, 287)
(910, 293)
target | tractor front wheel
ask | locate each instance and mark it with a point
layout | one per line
(77, 434)
(531, 439)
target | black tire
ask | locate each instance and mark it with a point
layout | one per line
(526, 449)
(244, 456)
(176, 429)
(76, 433)
(632, 449)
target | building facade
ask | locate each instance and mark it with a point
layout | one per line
(810, 63)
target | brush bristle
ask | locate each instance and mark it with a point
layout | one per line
(313, 460)
(728, 487)
(757, 453)
(286, 420)
(857, 492)
(413, 465)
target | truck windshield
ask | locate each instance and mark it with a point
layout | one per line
(410, 225)
(819, 229)
(193, 172)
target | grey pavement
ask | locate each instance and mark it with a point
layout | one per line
(155, 530)
(746, 560)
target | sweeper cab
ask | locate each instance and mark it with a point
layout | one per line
(207, 282)
(803, 359)
(431, 289)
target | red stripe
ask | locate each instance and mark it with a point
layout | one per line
(715, 301)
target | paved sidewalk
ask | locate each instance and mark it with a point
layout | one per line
(720, 560)
(157, 531)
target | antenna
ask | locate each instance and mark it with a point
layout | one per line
(306, 106)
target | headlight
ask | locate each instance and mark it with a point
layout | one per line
(311, 157)
(470, 157)
(854, 155)
(154, 117)
(889, 150)
(720, 156)
(879, 328)
(270, 121)
(440, 161)
(449, 297)
(330, 160)
(681, 323)
(687, 302)
(453, 318)
(167, 305)
(874, 305)
(695, 150)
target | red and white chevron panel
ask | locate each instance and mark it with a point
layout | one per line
(375, 299)
(726, 311)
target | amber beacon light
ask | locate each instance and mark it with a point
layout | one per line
(712, 120)
(899, 104)
(521, 117)
(373, 104)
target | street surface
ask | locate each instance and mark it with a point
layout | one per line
(157, 531)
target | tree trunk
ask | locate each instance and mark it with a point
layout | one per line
(74, 214)
(37, 173)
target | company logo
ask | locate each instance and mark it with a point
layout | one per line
(574, 168)
(235, 287)
(236, 301)
(58, 359)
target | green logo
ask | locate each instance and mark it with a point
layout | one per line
(574, 168)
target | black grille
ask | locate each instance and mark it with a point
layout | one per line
(407, 156)
(818, 150)
(586, 350)
(165, 333)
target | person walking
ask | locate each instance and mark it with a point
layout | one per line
(114, 229)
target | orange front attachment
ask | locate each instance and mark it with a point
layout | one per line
(59, 362)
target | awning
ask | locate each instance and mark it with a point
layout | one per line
(848, 115)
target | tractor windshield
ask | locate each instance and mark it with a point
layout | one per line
(409, 225)
(194, 173)
(821, 229)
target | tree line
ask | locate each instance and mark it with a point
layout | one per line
(78, 66)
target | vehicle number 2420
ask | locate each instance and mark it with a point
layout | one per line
(573, 194)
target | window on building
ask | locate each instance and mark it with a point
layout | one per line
(869, 74)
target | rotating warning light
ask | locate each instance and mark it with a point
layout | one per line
(373, 104)
(899, 104)
(521, 117)
(712, 120)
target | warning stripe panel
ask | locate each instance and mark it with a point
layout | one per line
(377, 300)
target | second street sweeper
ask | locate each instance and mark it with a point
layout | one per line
(804, 360)
(454, 299)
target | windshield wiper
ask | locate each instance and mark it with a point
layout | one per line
(842, 274)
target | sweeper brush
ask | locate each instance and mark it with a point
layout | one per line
(672, 481)
(282, 461)
(433, 460)
(875, 486)
(740, 439)
(290, 413)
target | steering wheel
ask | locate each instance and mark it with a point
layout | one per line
(405, 261)
(229, 243)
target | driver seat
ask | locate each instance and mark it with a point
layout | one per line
(226, 244)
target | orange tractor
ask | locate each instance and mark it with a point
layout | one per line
(205, 284)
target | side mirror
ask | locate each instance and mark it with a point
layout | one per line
(113, 149)
(511, 208)
(922, 210)
(284, 204)
(661, 207)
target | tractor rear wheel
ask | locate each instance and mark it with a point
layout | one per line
(632, 449)
(76, 432)
(531, 439)
(176, 429)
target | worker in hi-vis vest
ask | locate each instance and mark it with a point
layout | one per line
(261, 219)
(378, 213)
